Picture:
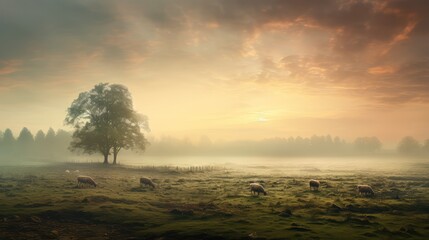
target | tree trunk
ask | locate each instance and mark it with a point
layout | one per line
(115, 155)
(106, 159)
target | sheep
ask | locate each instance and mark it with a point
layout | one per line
(76, 171)
(257, 188)
(67, 171)
(365, 190)
(146, 181)
(314, 184)
(86, 180)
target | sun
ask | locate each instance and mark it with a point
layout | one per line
(262, 119)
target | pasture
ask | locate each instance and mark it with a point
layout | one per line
(44, 202)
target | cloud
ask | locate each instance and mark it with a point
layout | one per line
(355, 25)
(389, 84)
(9, 66)
(381, 70)
(60, 26)
(346, 45)
(30, 27)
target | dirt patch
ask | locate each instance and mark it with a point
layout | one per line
(67, 216)
(367, 209)
(334, 208)
(33, 205)
(23, 229)
(140, 189)
(182, 212)
(103, 199)
(299, 229)
(286, 213)
(172, 235)
(357, 220)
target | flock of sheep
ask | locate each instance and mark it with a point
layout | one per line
(82, 180)
(258, 188)
(314, 185)
(255, 188)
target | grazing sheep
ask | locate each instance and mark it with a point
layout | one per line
(314, 184)
(76, 171)
(147, 181)
(86, 180)
(365, 190)
(257, 188)
(67, 171)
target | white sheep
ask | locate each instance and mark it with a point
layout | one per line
(365, 190)
(67, 171)
(86, 180)
(314, 184)
(147, 181)
(257, 188)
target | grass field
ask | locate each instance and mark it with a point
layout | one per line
(43, 202)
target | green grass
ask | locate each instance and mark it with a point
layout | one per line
(208, 203)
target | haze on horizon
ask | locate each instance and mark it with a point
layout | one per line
(230, 69)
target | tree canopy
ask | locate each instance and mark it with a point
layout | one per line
(105, 121)
(50, 136)
(368, 144)
(40, 137)
(409, 146)
(25, 137)
(8, 137)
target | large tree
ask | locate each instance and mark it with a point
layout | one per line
(105, 121)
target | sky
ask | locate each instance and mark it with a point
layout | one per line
(226, 69)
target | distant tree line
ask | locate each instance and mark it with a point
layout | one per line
(411, 147)
(41, 146)
(292, 146)
(55, 146)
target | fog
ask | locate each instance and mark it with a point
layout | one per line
(53, 147)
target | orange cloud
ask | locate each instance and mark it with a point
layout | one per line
(379, 70)
(9, 66)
